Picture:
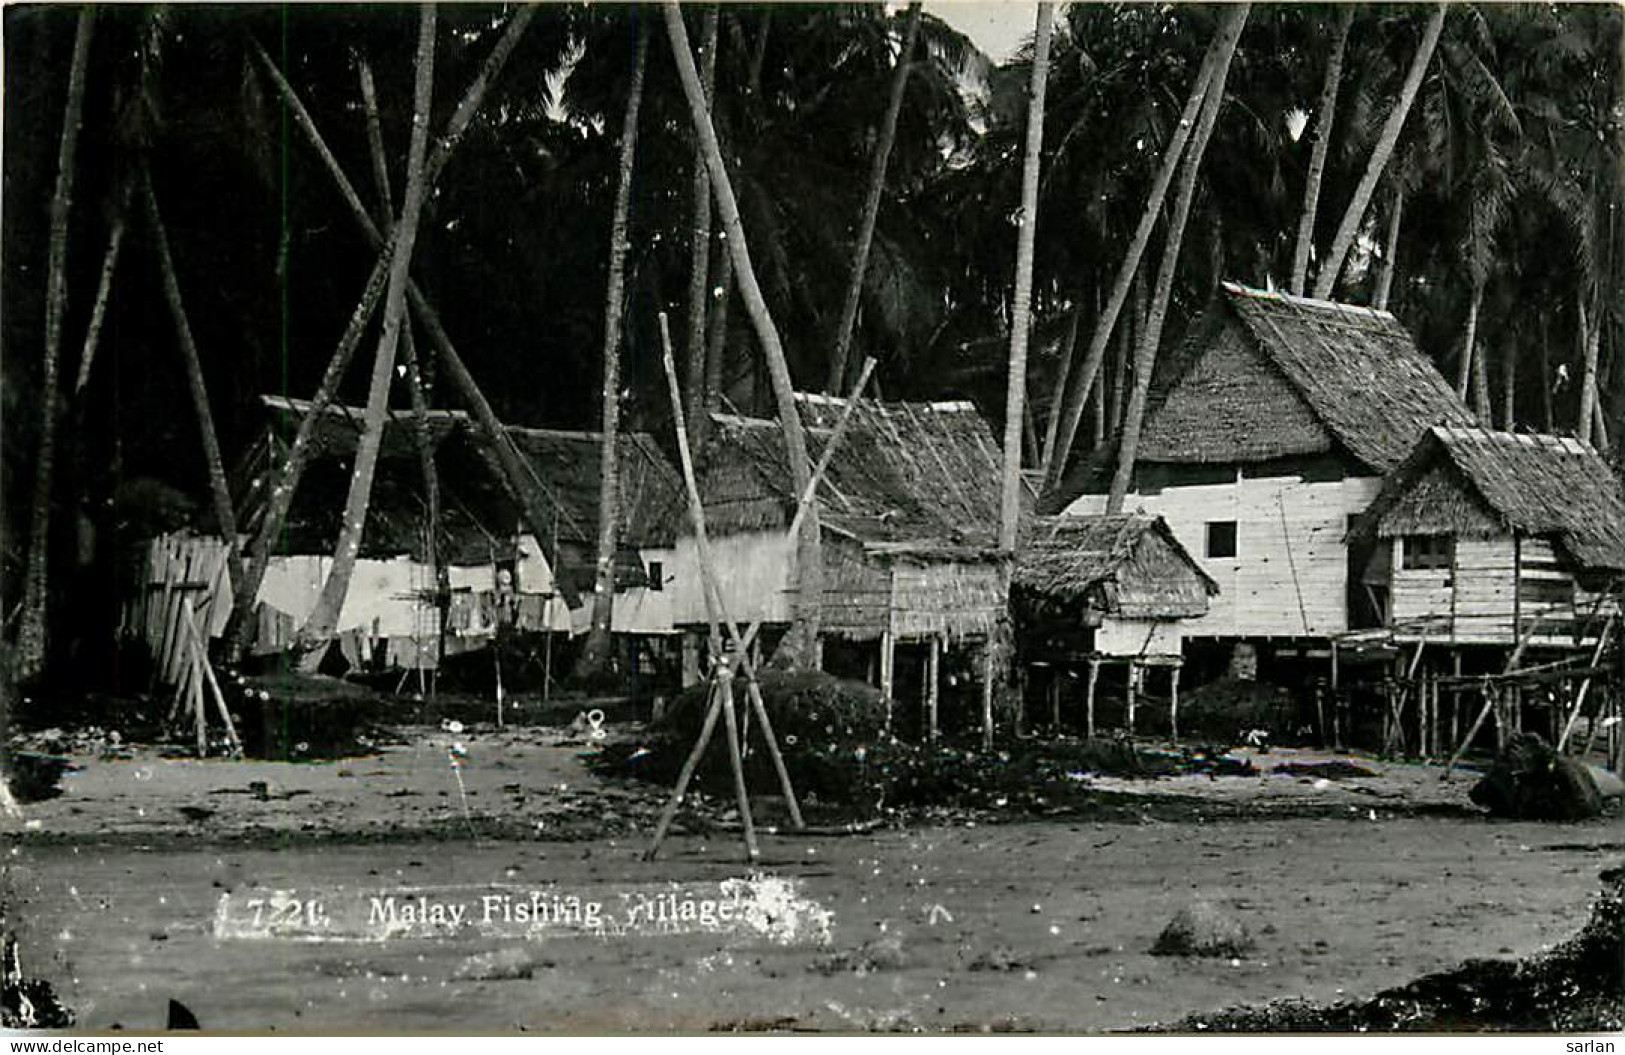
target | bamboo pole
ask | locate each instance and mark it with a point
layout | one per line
(888, 669)
(933, 673)
(1089, 700)
(987, 697)
(713, 710)
(1585, 686)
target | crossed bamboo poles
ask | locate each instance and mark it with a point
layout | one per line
(736, 651)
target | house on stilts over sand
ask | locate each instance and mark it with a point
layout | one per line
(1093, 592)
(427, 588)
(915, 589)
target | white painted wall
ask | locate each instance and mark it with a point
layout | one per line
(1290, 573)
(1133, 637)
(755, 570)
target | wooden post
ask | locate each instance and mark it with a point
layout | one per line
(888, 667)
(987, 696)
(1133, 665)
(1089, 701)
(691, 658)
(933, 667)
(1585, 685)
(1173, 701)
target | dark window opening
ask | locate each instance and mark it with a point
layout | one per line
(1429, 551)
(657, 575)
(1221, 538)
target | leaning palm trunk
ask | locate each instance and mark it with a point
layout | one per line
(842, 348)
(1145, 356)
(1354, 216)
(699, 247)
(1317, 153)
(220, 494)
(1390, 254)
(1021, 311)
(1068, 353)
(98, 310)
(1083, 377)
(414, 376)
(323, 620)
(595, 656)
(803, 640)
(32, 632)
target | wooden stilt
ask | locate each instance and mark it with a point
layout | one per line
(888, 669)
(1133, 668)
(1585, 686)
(1478, 723)
(1055, 700)
(987, 697)
(933, 669)
(1089, 698)
(1173, 702)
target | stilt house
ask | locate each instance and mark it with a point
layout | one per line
(909, 515)
(1492, 538)
(1267, 431)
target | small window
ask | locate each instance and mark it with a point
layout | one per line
(1221, 538)
(1429, 551)
(657, 575)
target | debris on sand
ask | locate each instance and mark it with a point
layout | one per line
(1530, 781)
(1000, 958)
(501, 965)
(1200, 929)
(1336, 769)
(881, 954)
(1577, 987)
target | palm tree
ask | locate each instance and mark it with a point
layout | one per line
(32, 631)
(1325, 117)
(810, 587)
(323, 619)
(595, 655)
(841, 348)
(1016, 388)
(1235, 19)
(699, 260)
(1332, 267)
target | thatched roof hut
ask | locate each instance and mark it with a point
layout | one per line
(478, 518)
(1472, 482)
(1123, 565)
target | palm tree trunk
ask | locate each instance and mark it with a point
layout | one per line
(699, 255)
(1021, 310)
(1464, 367)
(1509, 385)
(1481, 383)
(836, 382)
(225, 516)
(1590, 330)
(809, 557)
(32, 632)
(98, 310)
(1390, 254)
(1318, 151)
(414, 376)
(1068, 353)
(1548, 412)
(1332, 267)
(1126, 271)
(595, 656)
(1145, 356)
(324, 618)
(716, 340)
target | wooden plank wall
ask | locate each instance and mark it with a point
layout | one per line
(176, 569)
(1290, 573)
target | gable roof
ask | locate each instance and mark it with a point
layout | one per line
(478, 515)
(1535, 485)
(1132, 563)
(920, 475)
(1356, 371)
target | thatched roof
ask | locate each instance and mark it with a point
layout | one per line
(1268, 375)
(1123, 564)
(906, 477)
(1477, 482)
(478, 515)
